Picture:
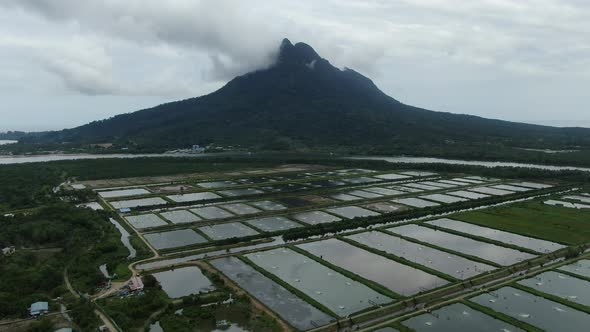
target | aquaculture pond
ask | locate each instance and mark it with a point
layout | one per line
(184, 281)
(442, 185)
(269, 206)
(216, 184)
(125, 238)
(456, 183)
(351, 212)
(384, 191)
(288, 306)
(560, 285)
(535, 310)
(272, 224)
(581, 268)
(384, 207)
(491, 191)
(458, 318)
(336, 292)
(123, 193)
(467, 194)
(421, 186)
(241, 208)
(415, 202)
(226, 231)
(180, 216)
(530, 243)
(449, 264)
(401, 279)
(418, 173)
(532, 185)
(212, 212)
(345, 197)
(240, 192)
(510, 187)
(442, 198)
(193, 197)
(315, 217)
(145, 221)
(490, 252)
(138, 202)
(361, 180)
(364, 194)
(174, 239)
(392, 176)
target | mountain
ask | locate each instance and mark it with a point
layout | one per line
(302, 101)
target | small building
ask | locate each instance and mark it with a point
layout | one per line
(39, 308)
(124, 210)
(8, 251)
(135, 284)
(198, 149)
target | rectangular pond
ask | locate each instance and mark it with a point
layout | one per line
(384, 207)
(467, 194)
(468, 180)
(227, 231)
(145, 221)
(315, 217)
(491, 191)
(240, 192)
(570, 205)
(241, 208)
(384, 191)
(581, 268)
(193, 197)
(392, 176)
(510, 188)
(123, 193)
(364, 194)
(449, 264)
(273, 224)
(532, 185)
(441, 185)
(584, 199)
(180, 216)
(269, 206)
(361, 180)
(184, 281)
(560, 285)
(287, 305)
(418, 173)
(351, 212)
(535, 310)
(530, 243)
(458, 318)
(490, 252)
(421, 186)
(212, 212)
(216, 184)
(138, 202)
(174, 239)
(407, 189)
(442, 198)
(345, 197)
(456, 183)
(336, 292)
(415, 202)
(401, 279)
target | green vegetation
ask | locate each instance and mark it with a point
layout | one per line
(133, 311)
(535, 219)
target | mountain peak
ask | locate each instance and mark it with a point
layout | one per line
(299, 53)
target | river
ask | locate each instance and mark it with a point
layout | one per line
(6, 141)
(5, 160)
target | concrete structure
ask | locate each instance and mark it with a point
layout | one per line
(8, 251)
(39, 308)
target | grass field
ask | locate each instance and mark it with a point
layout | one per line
(553, 223)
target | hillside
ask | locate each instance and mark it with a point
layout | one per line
(302, 101)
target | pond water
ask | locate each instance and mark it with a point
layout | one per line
(386, 329)
(272, 224)
(125, 238)
(315, 217)
(439, 184)
(364, 194)
(458, 318)
(180, 216)
(580, 198)
(560, 285)
(216, 184)
(174, 239)
(7, 141)
(384, 191)
(184, 281)
(240, 192)
(467, 194)
(351, 212)
(530, 243)
(490, 252)
(123, 193)
(401, 279)
(570, 205)
(156, 327)
(456, 183)
(212, 212)
(442, 198)
(138, 202)
(419, 173)
(510, 187)
(91, 205)
(145, 221)
(532, 185)
(241, 208)
(345, 197)
(581, 268)
(361, 180)
(338, 293)
(535, 310)
(450, 264)
(415, 202)
(227, 231)
(269, 206)
(491, 191)
(193, 197)
(288, 306)
(421, 186)
(392, 176)
(56, 157)
(384, 207)
(469, 180)
(407, 189)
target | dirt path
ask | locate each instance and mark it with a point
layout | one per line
(259, 306)
(106, 321)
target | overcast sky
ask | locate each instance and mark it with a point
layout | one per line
(67, 62)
